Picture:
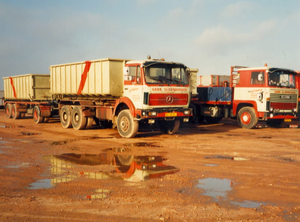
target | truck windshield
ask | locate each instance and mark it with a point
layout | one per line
(282, 78)
(166, 74)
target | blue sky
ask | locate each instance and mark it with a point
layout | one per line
(210, 35)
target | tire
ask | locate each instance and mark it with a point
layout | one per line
(194, 118)
(78, 120)
(274, 122)
(37, 115)
(127, 126)
(8, 110)
(247, 118)
(65, 117)
(90, 121)
(15, 114)
(169, 127)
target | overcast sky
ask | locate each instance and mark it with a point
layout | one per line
(210, 35)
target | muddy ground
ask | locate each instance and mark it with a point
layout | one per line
(204, 172)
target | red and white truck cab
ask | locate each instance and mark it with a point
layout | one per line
(264, 93)
(159, 91)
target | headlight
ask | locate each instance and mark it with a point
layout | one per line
(153, 113)
(186, 112)
(271, 109)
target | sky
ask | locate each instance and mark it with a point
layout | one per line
(210, 35)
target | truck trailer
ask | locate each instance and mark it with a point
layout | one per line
(252, 94)
(118, 92)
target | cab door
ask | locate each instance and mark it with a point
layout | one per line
(133, 87)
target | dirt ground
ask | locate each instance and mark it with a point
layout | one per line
(204, 172)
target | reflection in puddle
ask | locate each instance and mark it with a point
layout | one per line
(114, 164)
(218, 189)
(100, 194)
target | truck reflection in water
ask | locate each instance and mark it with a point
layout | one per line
(125, 166)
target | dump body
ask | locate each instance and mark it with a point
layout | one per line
(28, 87)
(103, 78)
(214, 80)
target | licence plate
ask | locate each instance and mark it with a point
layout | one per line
(287, 120)
(170, 114)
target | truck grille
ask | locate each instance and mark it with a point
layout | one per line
(283, 101)
(168, 99)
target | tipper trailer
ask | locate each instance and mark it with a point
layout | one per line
(250, 95)
(23, 93)
(118, 92)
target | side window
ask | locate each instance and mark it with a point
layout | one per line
(132, 70)
(138, 75)
(257, 78)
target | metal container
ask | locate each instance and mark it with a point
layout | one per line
(103, 77)
(193, 80)
(29, 87)
(1, 98)
(214, 80)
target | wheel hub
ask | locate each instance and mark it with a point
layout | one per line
(246, 118)
(124, 124)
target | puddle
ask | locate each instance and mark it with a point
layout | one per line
(29, 133)
(8, 126)
(114, 164)
(247, 204)
(291, 217)
(287, 159)
(211, 165)
(41, 184)
(218, 189)
(17, 166)
(235, 158)
(215, 187)
(141, 145)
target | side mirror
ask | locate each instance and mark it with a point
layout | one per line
(260, 77)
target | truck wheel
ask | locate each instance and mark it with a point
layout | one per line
(37, 115)
(194, 117)
(169, 127)
(90, 121)
(274, 122)
(247, 118)
(78, 120)
(127, 126)
(65, 117)
(173, 126)
(8, 110)
(15, 114)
